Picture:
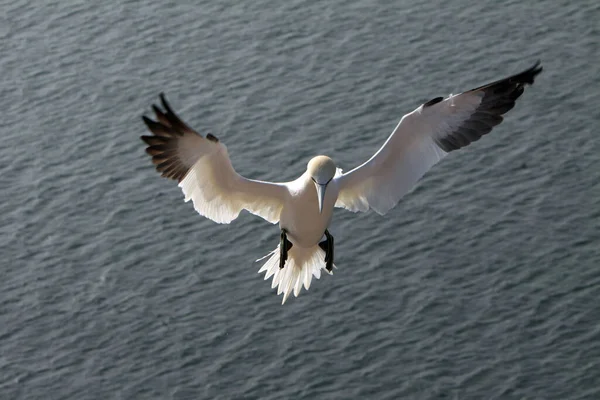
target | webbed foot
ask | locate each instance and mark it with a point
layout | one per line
(284, 246)
(327, 247)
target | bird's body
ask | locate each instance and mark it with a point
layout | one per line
(304, 207)
(300, 215)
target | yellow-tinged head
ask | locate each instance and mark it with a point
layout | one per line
(321, 169)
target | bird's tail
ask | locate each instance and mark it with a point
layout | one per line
(301, 265)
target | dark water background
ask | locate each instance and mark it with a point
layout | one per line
(483, 283)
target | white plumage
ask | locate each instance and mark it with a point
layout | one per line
(304, 207)
(302, 265)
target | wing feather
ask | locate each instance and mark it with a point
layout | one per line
(425, 136)
(204, 171)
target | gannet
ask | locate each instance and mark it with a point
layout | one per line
(304, 207)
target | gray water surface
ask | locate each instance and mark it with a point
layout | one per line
(483, 283)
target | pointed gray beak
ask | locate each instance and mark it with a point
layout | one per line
(320, 195)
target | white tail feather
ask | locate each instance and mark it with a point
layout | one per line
(301, 265)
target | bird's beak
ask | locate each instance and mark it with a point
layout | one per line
(320, 195)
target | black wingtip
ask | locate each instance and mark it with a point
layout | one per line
(173, 118)
(165, 103)
(147, 121)
(212, 138)
(528, 76)
(147, 139)
(432, 102)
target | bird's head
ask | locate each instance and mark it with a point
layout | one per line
(321, 169)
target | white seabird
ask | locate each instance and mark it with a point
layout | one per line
(304, 207)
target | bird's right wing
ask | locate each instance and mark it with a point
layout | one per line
(203, 169)
(423, 137)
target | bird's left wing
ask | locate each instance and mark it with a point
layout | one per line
(203, 169)
(424, 137)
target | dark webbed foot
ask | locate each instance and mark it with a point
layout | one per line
(284, 246)
(327, 247)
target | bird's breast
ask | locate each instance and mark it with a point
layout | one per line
(301, 218)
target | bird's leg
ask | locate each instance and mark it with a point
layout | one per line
(324, 245)
(329, 251)
(284, 246)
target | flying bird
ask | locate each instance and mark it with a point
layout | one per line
(304, 207)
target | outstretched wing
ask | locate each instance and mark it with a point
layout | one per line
(424, 137)
(203, 169)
